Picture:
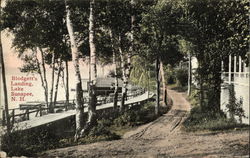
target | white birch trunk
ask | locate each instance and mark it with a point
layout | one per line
(75, 58)
(127, 66)
(131, 50)
(67, 85)
(115, 72)
(124, 78)
(51, 104)
(92, 91)
(44, 77)
(189, 73)
(157, 105)
(164, 87)
(57, 81)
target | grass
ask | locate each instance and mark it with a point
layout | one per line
(203, 119)
(120, 131)
(206, 119)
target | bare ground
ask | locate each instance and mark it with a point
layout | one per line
(164, 138)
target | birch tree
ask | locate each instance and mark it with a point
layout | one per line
(51, 104)
(164, 86)
(92, 85)
(43, 76)
(157, 78)
(115, 70)
(59, 70)
(75, 58)
(67, 85)
(189, 74)
(124, 78)
(126, 65)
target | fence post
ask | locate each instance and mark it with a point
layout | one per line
(13, 116)
(40, 110)
(27, 113)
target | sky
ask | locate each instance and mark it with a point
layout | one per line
(10, 56)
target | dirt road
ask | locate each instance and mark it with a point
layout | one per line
(163, 138)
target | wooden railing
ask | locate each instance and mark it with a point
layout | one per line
(109, 99)
(19, 117)
(39, 108)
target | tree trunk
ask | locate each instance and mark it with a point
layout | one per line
(157, 105)
(124, 78)
(127, 67)
(131, 50)
(189, 74)
(217, 86)
(92, 119)
(67, 85)
(201, 92)
(116, 89)
(148, 86)
(115, 72)
(57, 81)
(5, 92)
(164, 87)
(79, 92)
(51, 104)
(44, 78)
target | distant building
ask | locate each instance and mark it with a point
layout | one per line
(104, 86)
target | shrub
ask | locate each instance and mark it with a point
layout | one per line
(128, 118)
(205, 119)
(106, 122)
(137, 116)
(27, 143)
(234, 105)
(194, 97)
(200, 115)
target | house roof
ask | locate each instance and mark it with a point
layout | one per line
(102, 82)
(107, 82)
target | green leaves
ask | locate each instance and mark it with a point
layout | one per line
(160, 31)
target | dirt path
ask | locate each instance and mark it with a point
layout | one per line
(163, 138)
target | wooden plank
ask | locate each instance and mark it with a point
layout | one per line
(30, 106)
